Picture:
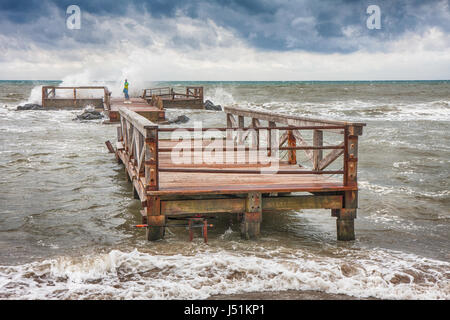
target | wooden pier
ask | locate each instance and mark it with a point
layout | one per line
(153, 112)
(72, 99)
(192, 98)
(260, 161)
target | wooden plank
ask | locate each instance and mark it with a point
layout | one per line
(246, 171)
(289, 119)
(151, 159)
(329, 158)
(173, 207)
(233, 189)
(302, 202)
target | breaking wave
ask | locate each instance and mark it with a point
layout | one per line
(143, 275)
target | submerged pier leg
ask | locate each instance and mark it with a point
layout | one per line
(155, 221)
(345, 229)
(251, 219)
(345, 222)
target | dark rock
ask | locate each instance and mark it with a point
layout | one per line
(89, 115)
(177, 120)
(30, 106)
(181, 119)
(211, 106)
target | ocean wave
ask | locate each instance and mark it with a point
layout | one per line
(143, 275)
(385, 190)
(357, 110)
(220, 96)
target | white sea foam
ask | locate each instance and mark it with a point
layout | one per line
(220, 96)
(357, 110)
(386, 189)
(139, 275)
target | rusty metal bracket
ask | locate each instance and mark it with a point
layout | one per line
(192, 222)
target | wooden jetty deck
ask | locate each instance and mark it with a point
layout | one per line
(213, 171)
(138, 105)
(192, 98)
(70, 98)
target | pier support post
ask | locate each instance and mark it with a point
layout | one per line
(345, 229)
(251, 219)
(345, 223)
(155, 220)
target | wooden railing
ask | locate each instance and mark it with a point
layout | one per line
(140, 139)
(195, 92)
(148, 93)
(314, 150)
(169, 93)
(49, 93)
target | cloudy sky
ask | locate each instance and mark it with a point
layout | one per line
(225, 40)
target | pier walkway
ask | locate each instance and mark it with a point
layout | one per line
(138, 105)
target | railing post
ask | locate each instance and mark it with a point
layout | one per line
(44, 96)
(317, 154)
(255, 125)
(229, 126)
(272, 124)
(240, 135)
(292, 143)
(155, 221)
(345, 156)
(345, 228)
(352, 157)
(252, 217)
(151, 158)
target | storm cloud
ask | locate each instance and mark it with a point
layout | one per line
(325, 26)
(276, 35)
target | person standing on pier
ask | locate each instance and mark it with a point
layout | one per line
(125, 90)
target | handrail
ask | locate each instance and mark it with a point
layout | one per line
(140, 139)
(139, 122)
(191, 92)
(255, 128)
(52, 89)
(348, 148)
(287, 119)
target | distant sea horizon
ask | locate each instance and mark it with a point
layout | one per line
(246, 81)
